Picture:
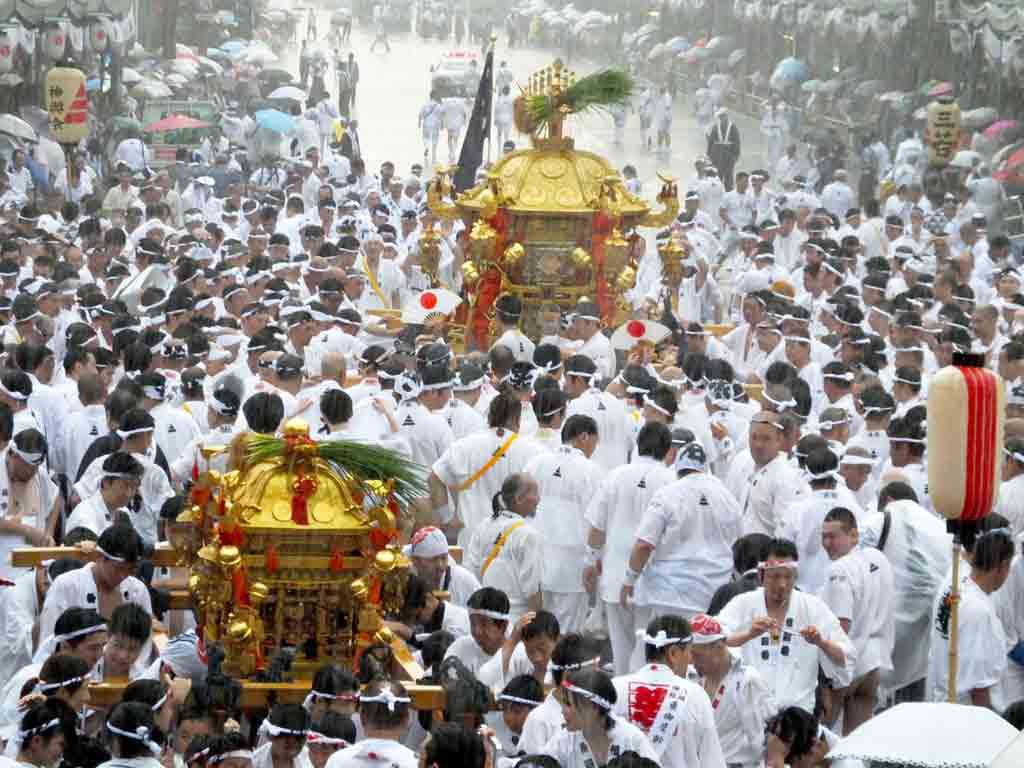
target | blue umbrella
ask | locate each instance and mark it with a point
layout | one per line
(92, 84)
(274, 120)
(232, 46)
(678, 44)
(792, 70)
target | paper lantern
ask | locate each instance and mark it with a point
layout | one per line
(99, 35)
(67, 104)
(942, 133)
(7, 46)
(54, 42)
(966, 410)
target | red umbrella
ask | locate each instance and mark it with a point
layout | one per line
(1011, 168)
(175, 123)
(998, 127)
(941, 89)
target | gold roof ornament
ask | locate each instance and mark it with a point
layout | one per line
(296, 548)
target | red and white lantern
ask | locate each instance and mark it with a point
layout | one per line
(7, 47)
(99, 35)
(966, 412)
(55, 42)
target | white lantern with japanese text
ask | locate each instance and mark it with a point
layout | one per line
(8, 44)
(67, 104)
(54, 42)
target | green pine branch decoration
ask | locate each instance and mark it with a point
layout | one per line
(599, 91)
(361, 461)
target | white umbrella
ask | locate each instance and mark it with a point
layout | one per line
(657, 51)
(965, 158)
(210, 64)
(288, 92)
(928, 735)
(130, 76)
(260, 56)
(1012, 756)
(14, 126)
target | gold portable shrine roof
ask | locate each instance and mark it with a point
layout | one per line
(552, 178)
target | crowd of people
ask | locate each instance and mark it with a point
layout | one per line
(679, 546)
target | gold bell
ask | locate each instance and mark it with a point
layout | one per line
(229, 556)
(581, 258)
(384, 560)
(239, 630)
(626, 279)
(359, 590)
(470, 275)
(258, 592)
(514, 253)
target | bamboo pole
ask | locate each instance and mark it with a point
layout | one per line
(954, 614)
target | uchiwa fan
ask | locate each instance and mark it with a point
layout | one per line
(553, 93)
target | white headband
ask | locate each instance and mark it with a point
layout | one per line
(662, 640)
(314, 737)
(124, 434)
(236, 754)
(648, 402)
(497, 616)
(221, 408)
(590, 696)
(80, 633)
(41, 686)
(518, 700)
(109, 556)
(577, 665)
(23, 736)
(35, 459)
(139, 734)
(312, 695)
(840, 376)
(826, 424)
(829, 475)
(858, 461)
(275, 730)
(12, 395)
(906, 381)
(385, 697)
(917, 441)
(772, 565)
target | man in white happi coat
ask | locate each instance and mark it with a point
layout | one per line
(613, 518)
(384, 710)
(103, 584)
(505, 549)
(508, 311)
(787, 634)
(802, 520)
(683, 547)
(504, 107)
(472, 469)
(461, 412)
(766, 490)
(419, 415)
(28, 498)
(567, 481)
(859, 590)
(674, 712)
(740, 699)
(613, 421)
(122, 474)
(428, 550)
(19, 613)
(773, 133)
(430, 124)
(586, 323)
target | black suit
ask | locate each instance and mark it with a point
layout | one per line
(350, 147)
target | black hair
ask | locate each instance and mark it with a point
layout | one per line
(335, 725)
(30, 441)
(132, 621)
(291, 717)
(544, 624)
(503, 411)
(654, 440)
(133, 717)
(509, 490)
(122, 462)
(992, 549)
(453, 745)
(1014, 714)
(782, 548)
(489, 599)
(333, 679)
(144, 691)
(897, 490)
(631, 759)
(264, 412)
(548, 403)
(197, 751)
(750, 550)
(842, 515)
(524, 687)
(578, 425)
(61, 667)
(6, 422)
(336, 406)
(35, 722)
(796, 727)
(819, 461)
(571, 652)
(29, 357)
(137, 357)
(665, 398)
(598, 683)
(384, 716)
(672, 626)
(121, 540)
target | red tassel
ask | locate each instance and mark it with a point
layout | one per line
(270, 559)
(337, 561)
(240, 589)
(222, 505)
(195, 472)
(380, 539)
(301, 491)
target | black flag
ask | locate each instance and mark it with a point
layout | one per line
(479, 130)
